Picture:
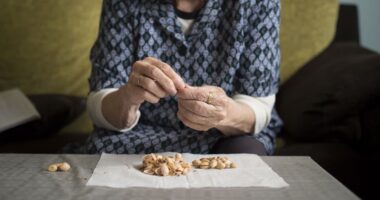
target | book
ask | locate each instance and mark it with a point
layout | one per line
(15, 109)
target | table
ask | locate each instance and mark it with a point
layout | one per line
(24, 176)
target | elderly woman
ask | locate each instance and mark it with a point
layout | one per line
(195, 76)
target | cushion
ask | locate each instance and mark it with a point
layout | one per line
(45, 44)
(56, 112)
(326, 99)
(307, 28)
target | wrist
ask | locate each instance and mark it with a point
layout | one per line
(128, 110)
(239, 119)
(228, 121)
(227, 124)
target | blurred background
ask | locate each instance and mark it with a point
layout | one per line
(368, 22)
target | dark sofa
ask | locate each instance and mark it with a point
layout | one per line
(331, 109)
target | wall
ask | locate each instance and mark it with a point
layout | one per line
(369, 15)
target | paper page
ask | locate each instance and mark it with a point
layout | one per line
(15, 109)
(120, 171)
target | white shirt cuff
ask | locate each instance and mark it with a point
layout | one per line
(261, 106)
(94, 107)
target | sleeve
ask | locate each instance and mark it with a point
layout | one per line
(261, 106)
(94, 107)
(258, 74)
(111, 57)
(112, 54)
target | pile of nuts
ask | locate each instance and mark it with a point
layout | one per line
(214, 163)
(64, 166)
(165, 165)
(159, 165)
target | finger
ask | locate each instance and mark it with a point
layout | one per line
(148, 84)
(198, 107)
(146, 95)
(192, 117)
(209, 94)
(169, 71)
(190, 124)
(194, 93)
(156, 74)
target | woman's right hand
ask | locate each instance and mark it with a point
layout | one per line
(151, 80)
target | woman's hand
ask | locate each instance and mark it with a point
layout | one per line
(206, 107)
(203, 108)
(150, 80)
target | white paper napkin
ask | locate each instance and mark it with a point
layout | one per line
(120, 171)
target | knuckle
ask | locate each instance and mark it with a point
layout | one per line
(149, 84)
(154, 71)
(133, 74)
(135, 65)
(220, 90)
(224, 114)
(139, 63)
(168, 83)
(148, 58)
(144, 93)
(223, 101)
(165, 68)
(221, 115)
(132, 78)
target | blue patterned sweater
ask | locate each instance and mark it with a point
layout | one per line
(232, 44)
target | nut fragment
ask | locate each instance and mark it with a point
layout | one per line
(178, 157)
(213, 163)
(64, 166)
(164, 170)
(59, 167)
(220, 165)
(165, 165)
(203, 167)
(52, 168)
(196, 162)
(233, 165)
(205, 163)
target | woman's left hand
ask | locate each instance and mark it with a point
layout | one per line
(203, 108)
